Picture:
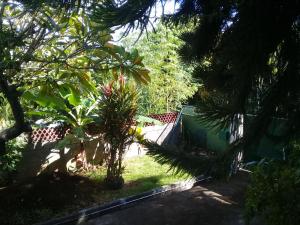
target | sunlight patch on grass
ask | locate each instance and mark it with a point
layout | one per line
(141, 174)
(145, 167)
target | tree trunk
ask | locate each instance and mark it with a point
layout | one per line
(111, 168)
(120, 159)
(83, 155)
(2, 147)
(81, 160)
(113, 178)
(12, 95)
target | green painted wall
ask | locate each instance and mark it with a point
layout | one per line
(200, 134)
(268, 147)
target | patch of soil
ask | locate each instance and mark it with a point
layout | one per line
(44, 196)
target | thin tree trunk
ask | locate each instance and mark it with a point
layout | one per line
(121, 148)
(2, 147)
(110, 169)
(81, 157)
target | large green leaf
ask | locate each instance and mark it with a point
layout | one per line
(140, 75)
(86, 82)
(74, 96)
(46, 99)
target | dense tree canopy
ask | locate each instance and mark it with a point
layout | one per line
(171, 80)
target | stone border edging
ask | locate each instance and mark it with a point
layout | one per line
(87, 213)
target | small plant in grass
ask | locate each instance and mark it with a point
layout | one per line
(118, 110)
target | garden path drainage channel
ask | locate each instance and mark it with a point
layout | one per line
(83, 215)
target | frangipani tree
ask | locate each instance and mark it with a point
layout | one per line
(30, 34)
(42, 41)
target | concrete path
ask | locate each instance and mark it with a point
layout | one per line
(212, 203)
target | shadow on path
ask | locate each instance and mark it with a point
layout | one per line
(212, 203)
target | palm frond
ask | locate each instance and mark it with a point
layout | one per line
(196, 163)
(133, 14)
(215, 109)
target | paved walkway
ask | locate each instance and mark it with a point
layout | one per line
(212, 203)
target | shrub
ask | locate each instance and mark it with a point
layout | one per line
(274, 193)
(118, 109)
(9, 161)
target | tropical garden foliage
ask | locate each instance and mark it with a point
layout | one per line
(54, 54)
(53, 61)
(171, 81)
(50, 43)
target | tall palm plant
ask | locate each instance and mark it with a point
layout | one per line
(118, 109)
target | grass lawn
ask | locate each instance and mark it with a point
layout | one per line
(50, 195)
(141, 174)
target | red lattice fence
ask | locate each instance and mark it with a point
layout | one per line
(49, 134)
(166, 117)
(57, 133)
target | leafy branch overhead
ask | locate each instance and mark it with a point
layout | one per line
(246, 54)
